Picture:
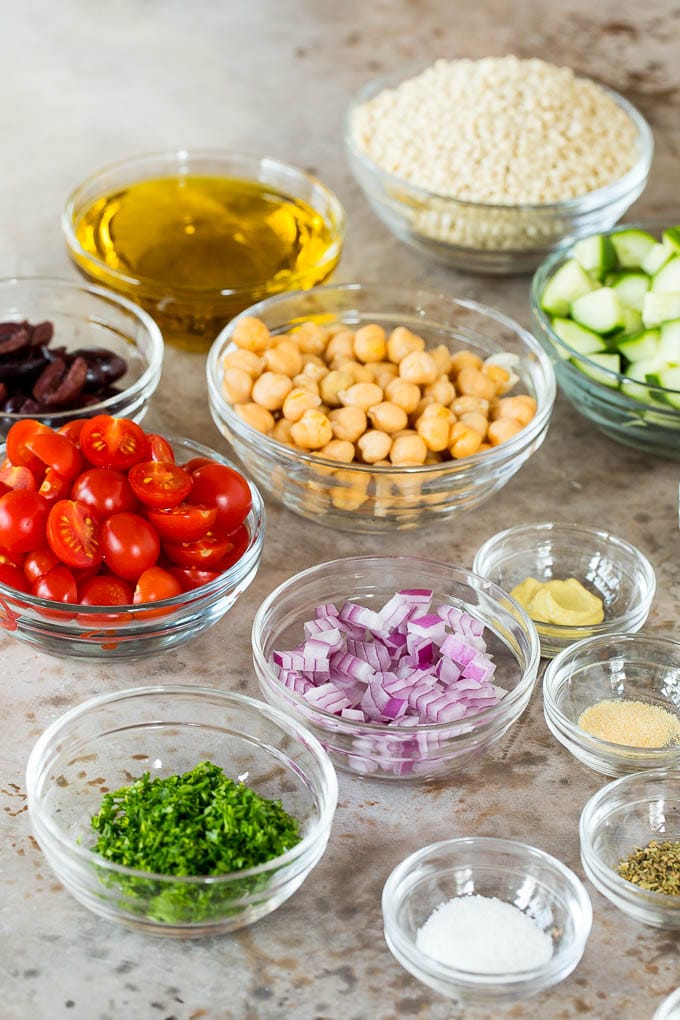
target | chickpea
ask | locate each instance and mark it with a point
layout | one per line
(476, 421)
(303, 382)
(387, 417)
(311, 338)
(402, 342)
(383, 373)
(434, 426)
(461, 405)
(374, 445)
(404, 394)
(484, 447)
(463, 441)
(419, 368)
(256, 416)
(285, 358)
(314, 371)
(348, 423)
(298, 401)
(312, 431)
(370, 343)
(251, 334)
(471, 382)
(522, 408)
(359, 373)
(423, 404)
(441, 390)
(503, 429)
(339, 449)
(361, 394)
(281, 432)
(341, 346)
(248, 361)
(352, 493)
(441, 356)
(236, 385)
(465, 359)
(271, 389)
(499, 376)
(312, 359)
(435, 410)
(331, 384)
(408, 450)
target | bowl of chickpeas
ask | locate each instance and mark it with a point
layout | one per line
(370, 407)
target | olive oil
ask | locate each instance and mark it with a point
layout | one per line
(175, 243)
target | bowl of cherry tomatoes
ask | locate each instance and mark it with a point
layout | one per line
(117, 543)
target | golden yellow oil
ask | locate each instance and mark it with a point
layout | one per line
(182, 240)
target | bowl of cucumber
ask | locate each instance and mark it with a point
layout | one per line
(608, 314)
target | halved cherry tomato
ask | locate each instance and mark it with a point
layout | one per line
(183, 523)
(58, 452)
(192, 577)
(160, 484)
(12, 559)
(39, 563)
(130, 545)
(105, 590)
(18, 477)
(58, 585)
(105, 491)
(113, 442)
(205, 553)
(238, 543)
(155, 584)
(73, 534)
(54, 486)
(23, 518)
(159, 448)
(13, 577)
(17, 450)
(218, 485)
(72, 429)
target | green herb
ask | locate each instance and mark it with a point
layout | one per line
(655, 867)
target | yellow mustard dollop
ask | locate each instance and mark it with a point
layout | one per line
(565, 603)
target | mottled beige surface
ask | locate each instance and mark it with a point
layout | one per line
(84, 83)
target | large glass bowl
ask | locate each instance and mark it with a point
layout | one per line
(167, 730)
(399, 753)
(528, 878)
(89, 317)
(363, 497)
(130, 632)
(483, 237)
(192, 316)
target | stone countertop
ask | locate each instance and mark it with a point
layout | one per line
(87, 83)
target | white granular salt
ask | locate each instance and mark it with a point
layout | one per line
(484, 935)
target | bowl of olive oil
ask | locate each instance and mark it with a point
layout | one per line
(195, 237)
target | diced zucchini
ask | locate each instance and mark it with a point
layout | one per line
(667, 280)
(671, 238)
(658, 257)
(658, 308)
(636, 376)
(641, 346)
(600, 310)
(632, 321)
(581, 340)
(631, 288)
(632, 247)
(595, 254)
(569, 282)
(669, 344)
(604, 364)
(669, 378)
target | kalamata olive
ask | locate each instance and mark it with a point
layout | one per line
(14, 403)
(13, 341)
(103, 367)
(42, 334)
(60, 383)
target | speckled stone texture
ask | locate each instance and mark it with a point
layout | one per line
(85, 83)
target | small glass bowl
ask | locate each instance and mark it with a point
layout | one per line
(192, 317)
(168, 730)
(652, 426)
(608, 566)
(363, 497)
(483, 237)
(612, 667)
(530, 879)
(620, 818)
(89, 317)
(669, 1009)
(130, 632)
(399, 753)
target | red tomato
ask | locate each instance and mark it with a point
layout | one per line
(18, 477)
(205, 553)
(72, 429)
(196, 462)
(73, 534)
(238, 543)
(54, 486)
(155, 584)
(13, 559)
(59, 585)
(58, 452)
(39, 563)
(130, 545)
(113, 442)
(218, 485)
(183, 523)
(23, 518)
(159, 448)
(159, 484)
(105, 590)
(105, 491)
(13, 577)
(192, 577)
(17, 450)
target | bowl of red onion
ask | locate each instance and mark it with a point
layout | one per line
(404, 668)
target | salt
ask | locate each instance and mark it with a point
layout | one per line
(484, 935)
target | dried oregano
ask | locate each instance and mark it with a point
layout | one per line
(655, 867)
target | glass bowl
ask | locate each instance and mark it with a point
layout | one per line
(362, 497)
(167, 730)
(625, 815)
(399, 752)
(651, 425)
(130, 632)
(192, 316)
(88, 317)
(669, 1008)
(612, 667)
(608, 566)
(528, 878)
(484, 237)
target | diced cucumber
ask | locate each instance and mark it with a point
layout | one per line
(669, 344)
(641, 346)
(670, 380)
(667, 280)
(600, 371)
(631, 288)
(600, 310)
(632, 321)
(632, 247)
(581, 340)
(569, 282)
(671, 238)
(658, 257)
(595, 254)
(636, 384)
(658, 308)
